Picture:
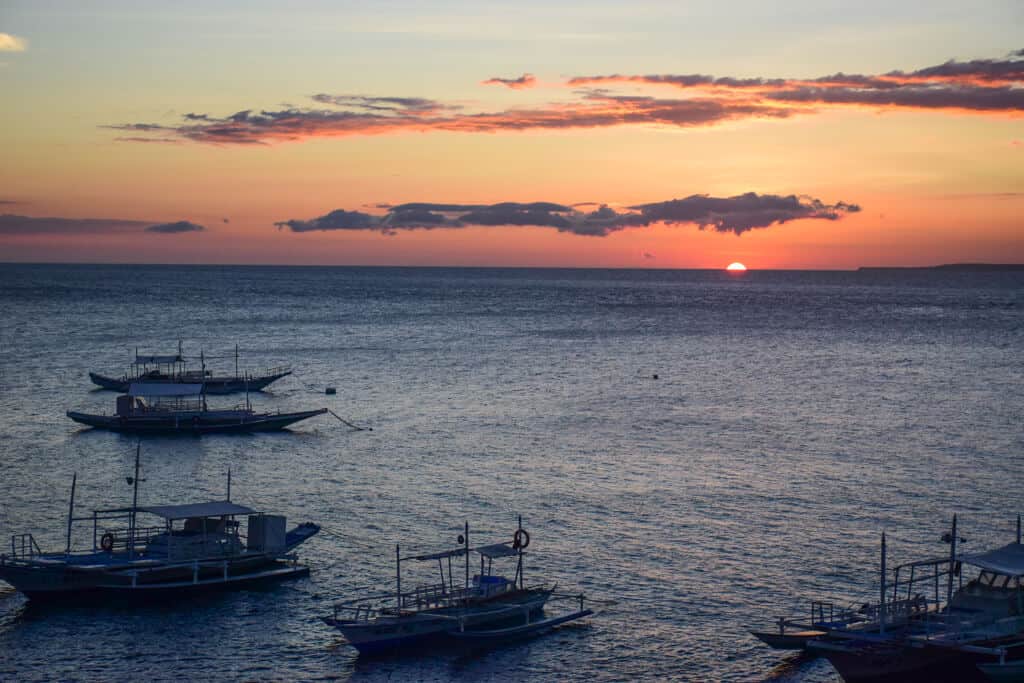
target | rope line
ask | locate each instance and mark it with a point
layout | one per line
(344, 421)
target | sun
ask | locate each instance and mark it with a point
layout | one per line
(736, 266)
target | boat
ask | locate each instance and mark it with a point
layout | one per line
(186, 548)
(171, 369)
(178, 408)
(928, 622)
(487, 607)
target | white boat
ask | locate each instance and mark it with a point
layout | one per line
(211, 545)
(171, 369)
(484, 607)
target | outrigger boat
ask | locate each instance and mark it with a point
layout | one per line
(171, 369)
(194, 547)
(182, 409)
(486, 607)
(928, 621)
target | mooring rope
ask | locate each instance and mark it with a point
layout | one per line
(344, 421)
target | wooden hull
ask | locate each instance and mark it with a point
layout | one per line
(211, 385)
(796, 640)
(210, 422)
(391, 635)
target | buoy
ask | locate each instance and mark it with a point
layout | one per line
(331, 391)
(655, 376)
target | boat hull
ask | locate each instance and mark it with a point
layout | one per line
(390, 635)
(102, 576)
(210, 422)
(211, 385)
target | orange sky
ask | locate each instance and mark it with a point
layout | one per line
(353, 108)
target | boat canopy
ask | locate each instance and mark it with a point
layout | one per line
(217, 508)
(158, 360)
(456, 552)
(164, 389)
(1008, 560)
(497, 550)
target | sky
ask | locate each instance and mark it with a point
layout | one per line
(788, 135)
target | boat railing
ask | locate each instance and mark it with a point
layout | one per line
(276, 370)
(24, 546)
(126, 539)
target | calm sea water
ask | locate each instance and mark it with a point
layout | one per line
(796, 416)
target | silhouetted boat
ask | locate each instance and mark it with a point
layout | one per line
(489, 607)
(192, 547)
(179, 408)
(171, 369)
(975, 625)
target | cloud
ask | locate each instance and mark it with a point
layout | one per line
(979, 86)
(11, 43)
(174, 228)
(355, 116)
(11, 224)
(736, 214)
(524, 81)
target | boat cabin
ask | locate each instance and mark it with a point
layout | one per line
(144, 399)
(997, 588)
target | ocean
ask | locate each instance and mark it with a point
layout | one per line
(707, 450)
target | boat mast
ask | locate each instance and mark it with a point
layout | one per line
(71, 512)
(952, 563)
(1018, 528)
(467, 560)
(135, 502)
(881, 603)
(229, 485)
(236, 361)
(519, 569)
(398, 578)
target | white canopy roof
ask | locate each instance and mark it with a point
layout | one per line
(158, 360)
(217, 508)
(1008, 560)
(164, 389)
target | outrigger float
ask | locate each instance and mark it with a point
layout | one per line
(194, 547)
(182, 409)
(485, 608)
(171, 369)
(927, 621)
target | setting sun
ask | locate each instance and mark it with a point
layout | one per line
(737, 266)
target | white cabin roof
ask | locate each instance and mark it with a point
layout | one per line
(158, 360)
(1008, 560)
(164, 389)
(217, 508)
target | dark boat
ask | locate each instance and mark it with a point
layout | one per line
(189, 548)
(181, 409)
(487, 608)
(171, 369)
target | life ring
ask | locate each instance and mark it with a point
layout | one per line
(107, 541)
(521, 540)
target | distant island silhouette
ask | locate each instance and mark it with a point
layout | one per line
(970, 267)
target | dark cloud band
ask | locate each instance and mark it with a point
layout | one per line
(736, 214)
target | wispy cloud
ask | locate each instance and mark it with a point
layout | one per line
(174, 228)
(524, 81)
(980, 86)
(736, 214)
(11, 224)
(11, 43)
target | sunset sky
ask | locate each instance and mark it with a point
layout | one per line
(810, 134)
